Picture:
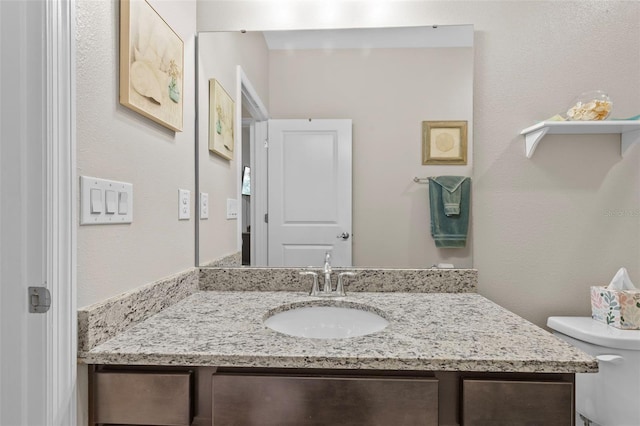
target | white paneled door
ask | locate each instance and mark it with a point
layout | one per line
(309, 192)
(37, 219)
(23, 350)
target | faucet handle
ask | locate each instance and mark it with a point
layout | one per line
(340, 286)
(314, 289)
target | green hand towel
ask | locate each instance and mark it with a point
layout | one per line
(449, 199)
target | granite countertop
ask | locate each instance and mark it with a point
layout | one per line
(427, 331)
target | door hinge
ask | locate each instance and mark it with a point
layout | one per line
(39, 300)
(266, 218)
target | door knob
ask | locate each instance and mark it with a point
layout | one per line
(344, 236)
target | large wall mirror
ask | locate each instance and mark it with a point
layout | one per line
(381, 84)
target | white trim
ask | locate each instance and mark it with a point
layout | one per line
(254, 106)
(61, 212)
(260, 201)
(238, 151)
(259, 113)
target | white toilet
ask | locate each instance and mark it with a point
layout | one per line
(610, 397)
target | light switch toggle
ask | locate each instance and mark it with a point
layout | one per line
(96, 201)
(123, 203)
(110, 201)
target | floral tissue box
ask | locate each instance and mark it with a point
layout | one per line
(618, 308)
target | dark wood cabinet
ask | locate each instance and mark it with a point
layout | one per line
(162, 398)
(516, 403)
(211, 396)
(265, 400)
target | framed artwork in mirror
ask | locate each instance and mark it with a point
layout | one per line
(151, 65)
(221, 120)
(444, 142)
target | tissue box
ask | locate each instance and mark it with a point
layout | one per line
(618, 308)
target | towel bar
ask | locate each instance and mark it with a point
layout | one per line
(421, 180)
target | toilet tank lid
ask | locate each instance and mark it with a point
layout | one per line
(592, 331)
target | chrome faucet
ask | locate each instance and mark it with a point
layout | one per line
(327, 290)
(327, 273)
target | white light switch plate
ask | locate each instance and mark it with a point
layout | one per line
(204, 205)
(100, 216)
(232, 208)
(184, 204)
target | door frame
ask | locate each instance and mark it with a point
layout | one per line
(61, 184)
(258, 164)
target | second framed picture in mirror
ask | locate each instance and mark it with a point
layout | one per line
(221, 120)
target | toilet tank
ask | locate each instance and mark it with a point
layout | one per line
(610, 397)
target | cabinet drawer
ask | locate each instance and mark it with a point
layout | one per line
(248, 400)
(142, 398)
(516, 403)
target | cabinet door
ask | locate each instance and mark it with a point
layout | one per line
(247, 400)
(142, 398)
(516, 403)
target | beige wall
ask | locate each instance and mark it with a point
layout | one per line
(543, 229)
(117, 143)
(387, 93)
(220, 53)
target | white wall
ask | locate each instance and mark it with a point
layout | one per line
(117, 143)
(220, 53)
(542, 229)
(387, 93)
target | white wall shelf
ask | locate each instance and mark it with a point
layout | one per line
(629, 131)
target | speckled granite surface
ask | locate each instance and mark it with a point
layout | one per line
(289, 279)
(102, 321)
(437, 331)
(231, 261)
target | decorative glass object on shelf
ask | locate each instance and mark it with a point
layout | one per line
(590, 106)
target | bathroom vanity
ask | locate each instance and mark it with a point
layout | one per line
(444, 359)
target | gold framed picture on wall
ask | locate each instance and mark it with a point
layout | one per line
(151, 65)
(221, 120)
(444, 142)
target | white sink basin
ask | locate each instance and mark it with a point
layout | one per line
(326, 322)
